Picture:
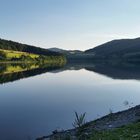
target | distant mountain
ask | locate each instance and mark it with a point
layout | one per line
(65, 51)
(73, 55)
(14, 46)
(57, 50)
(124, 48)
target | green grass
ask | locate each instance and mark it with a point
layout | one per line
(17, 54)
(129, 132)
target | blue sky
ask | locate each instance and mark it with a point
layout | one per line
(69, 24)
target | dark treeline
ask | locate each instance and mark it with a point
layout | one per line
(10, 45)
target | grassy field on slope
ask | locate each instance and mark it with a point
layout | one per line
(17, 56)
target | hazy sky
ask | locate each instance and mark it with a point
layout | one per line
(69, 24)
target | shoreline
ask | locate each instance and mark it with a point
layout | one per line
(108, 122)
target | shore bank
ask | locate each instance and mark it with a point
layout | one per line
(109, 122)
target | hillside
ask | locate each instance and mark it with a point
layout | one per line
(14, 46)
(15, 55)
(16, 52)
(124, 48)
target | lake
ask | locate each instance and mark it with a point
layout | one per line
(34, 102)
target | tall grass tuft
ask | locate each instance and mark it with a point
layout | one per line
(79, 120)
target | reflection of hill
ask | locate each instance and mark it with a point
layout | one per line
(115, 71)
(118, 71)
(12, 72)
(21, 71)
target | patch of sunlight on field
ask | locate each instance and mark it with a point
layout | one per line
(16, 54)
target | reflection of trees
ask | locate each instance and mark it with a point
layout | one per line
(2, 68)
(2, 55)
(12, 72)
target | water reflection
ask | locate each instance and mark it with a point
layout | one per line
(29, 107)
(13, 72)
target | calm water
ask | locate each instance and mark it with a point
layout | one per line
(36, 105)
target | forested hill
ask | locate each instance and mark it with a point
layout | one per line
(14, 46)
(118, 48)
